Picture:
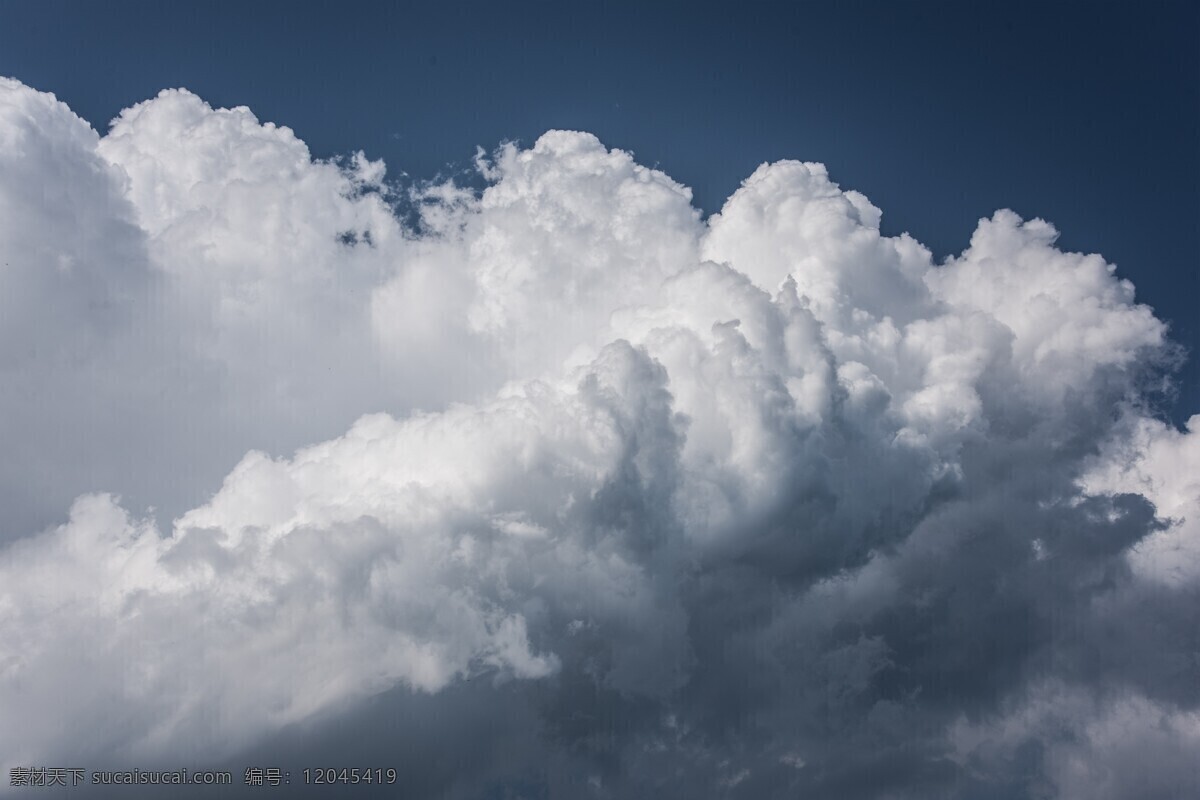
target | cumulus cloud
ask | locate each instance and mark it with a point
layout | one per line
(1162, 464)
(765, 504)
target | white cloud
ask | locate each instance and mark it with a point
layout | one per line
(703, 465)
(1162, 464)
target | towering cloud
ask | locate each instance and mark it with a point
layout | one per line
(617, 498)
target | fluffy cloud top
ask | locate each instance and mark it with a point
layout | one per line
(769, 503)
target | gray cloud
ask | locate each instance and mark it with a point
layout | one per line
(768, 505)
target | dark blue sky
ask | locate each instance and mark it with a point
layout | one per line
(1086, 114)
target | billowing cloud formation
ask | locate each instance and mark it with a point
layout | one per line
(760, 505)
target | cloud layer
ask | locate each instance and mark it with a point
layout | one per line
(763, 504)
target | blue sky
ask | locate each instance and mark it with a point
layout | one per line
(629, 455)
(1085, 114)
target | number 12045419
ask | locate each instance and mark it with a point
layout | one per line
(349, 776)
